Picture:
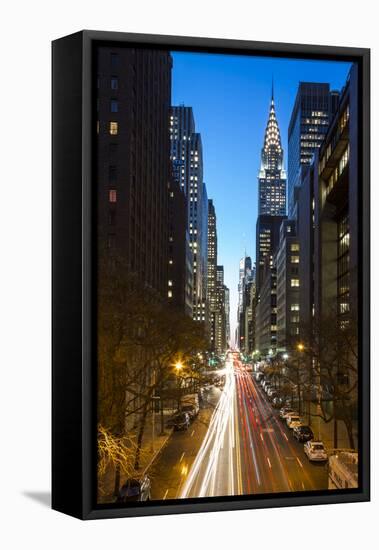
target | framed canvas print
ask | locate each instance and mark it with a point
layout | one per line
(210, 274)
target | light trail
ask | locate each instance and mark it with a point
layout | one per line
(205, 466)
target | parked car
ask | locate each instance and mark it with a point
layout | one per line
(303, 433)
(272, 393)
(190, 405)
(315, 451)
(189, 409)
(277, 402)
(135, 490)
(293, 420)
(285, 411)
(179, 421)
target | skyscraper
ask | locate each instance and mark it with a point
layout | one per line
(212, 271)
(179, 289)
(187, 159)
(222, 313)
(313, 109)
(272, 176)
(271, 212)
(133, 187)
(245, 275)
(288, 285)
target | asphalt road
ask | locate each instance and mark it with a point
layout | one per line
(240, 447)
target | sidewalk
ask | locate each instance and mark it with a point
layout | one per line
(325, 431)
(150, 451)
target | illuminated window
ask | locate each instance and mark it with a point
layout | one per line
(114, 83)
(295, 283)
(295, 247)
(170, 283)
(169, 293)
(295, 307)
(113, 128)
(294, 259)
(112, 195)
(114, 106)
(344, 160)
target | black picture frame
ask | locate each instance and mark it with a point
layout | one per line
(74, 292)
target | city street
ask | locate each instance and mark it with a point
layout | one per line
(247, 448)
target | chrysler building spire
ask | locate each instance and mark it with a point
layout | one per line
(272, 176)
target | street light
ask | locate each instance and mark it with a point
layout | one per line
(178, 366)
(300, 346)
(285, 356)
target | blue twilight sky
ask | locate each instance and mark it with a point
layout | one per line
(230, 97)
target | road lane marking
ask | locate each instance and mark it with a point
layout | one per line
(192, 433)
(181, 458)
(268, 460)
(165, 495)
(261, 436)
(285, 436)
(299, 461)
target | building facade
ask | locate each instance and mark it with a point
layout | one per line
(187, 159)
(133, 101)
(314, 106)
(336, 211)
(246, 275)
(266, 313)
(212, 272)
(288, 287)
(179, 289)
(221, 313)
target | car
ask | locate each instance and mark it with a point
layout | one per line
(303, 433)
(267, 388)
(190, 409)
(315, 451)
(190, 404)
(285, 411)
(293, 420)
(272, 393)
(179, 421)
(295, 424)
(135, 490)
(277, 402)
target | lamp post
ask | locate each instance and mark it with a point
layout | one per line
(178, 368)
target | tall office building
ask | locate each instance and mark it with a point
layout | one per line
(221, 314)
(133, 169)
(267, 242)
(212, 271)
(272, 194)
(271, 212)
(227, 315)
(336, 241)
(187, 159)
(314, 106)
(179, 289)
(266, 313)
(287, 287)
(272, 176)
(245, 276)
